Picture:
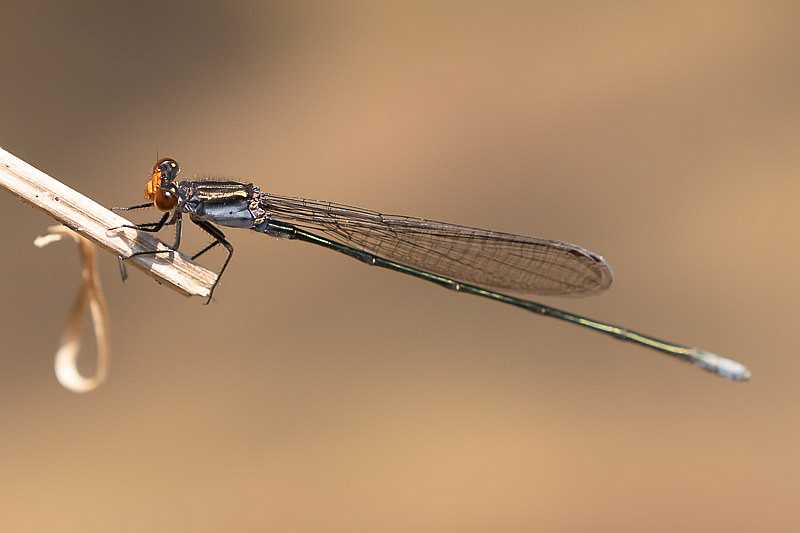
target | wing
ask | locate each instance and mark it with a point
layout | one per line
(489, 258)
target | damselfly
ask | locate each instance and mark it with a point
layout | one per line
(469, 260)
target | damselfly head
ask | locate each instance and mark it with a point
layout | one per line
(161, 187)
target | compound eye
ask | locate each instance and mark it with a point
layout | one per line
(165, 200)
(169, 169)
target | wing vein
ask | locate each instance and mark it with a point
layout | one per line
(494, 259)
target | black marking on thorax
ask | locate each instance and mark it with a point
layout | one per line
(217, 191)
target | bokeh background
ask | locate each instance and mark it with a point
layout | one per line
(317, 394)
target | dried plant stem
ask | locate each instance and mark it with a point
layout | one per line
(88, 218)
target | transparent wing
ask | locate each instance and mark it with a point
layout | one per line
(488, 258)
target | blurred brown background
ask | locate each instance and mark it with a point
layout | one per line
(317, 394)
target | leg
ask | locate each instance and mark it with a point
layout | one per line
(204, 250)
(178, 231)
(131, 208)
(151, 227)
(219, 238)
